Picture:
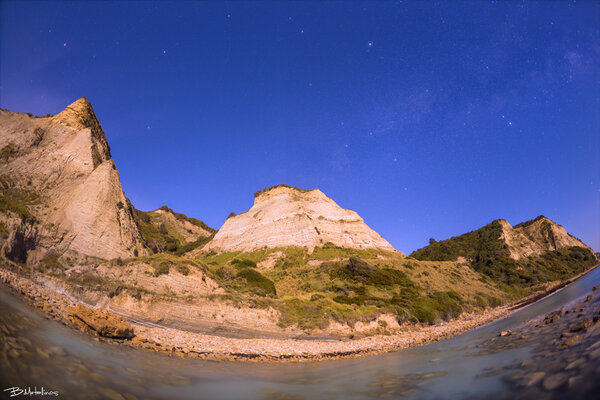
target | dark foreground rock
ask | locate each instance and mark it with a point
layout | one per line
(103, 322)
(565, 361)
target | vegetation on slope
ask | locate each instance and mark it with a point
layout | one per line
(489, 255)
(161, 237)
(351, 285)
(16, 200)
(265, 190)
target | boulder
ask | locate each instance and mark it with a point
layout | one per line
(583, 325)
(103, 322)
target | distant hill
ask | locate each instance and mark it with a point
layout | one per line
(531, 252)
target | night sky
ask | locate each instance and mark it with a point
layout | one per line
(429, 119)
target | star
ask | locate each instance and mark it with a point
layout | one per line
(370, 44)
(65, 44)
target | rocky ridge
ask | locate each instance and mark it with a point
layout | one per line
(536, 237)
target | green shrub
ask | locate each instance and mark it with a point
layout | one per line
(162, 268)
(50, 262)
(183, 269)
(316, 296)
(8, 152)
(186, 248)
(358, 271)
(243, 263)
(262, 285)
(265, 190)
(306, 315)
(343, 299)
(226, 273)
(17, 201)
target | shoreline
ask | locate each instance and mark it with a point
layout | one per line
(197, 345)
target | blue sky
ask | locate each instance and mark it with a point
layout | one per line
(428, 119)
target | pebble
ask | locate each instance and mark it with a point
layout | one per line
(555, 381)
(583, 325)
(575, 364)
(13, 353)
(533, 378)
(42, 353)
(594, 354)
(593, 346)
(111, 394)
(571, 341)
(56, 350)
(527, 363)
(574, 381)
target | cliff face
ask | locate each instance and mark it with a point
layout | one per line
(283, 216)
(536, 237)
(60, 189)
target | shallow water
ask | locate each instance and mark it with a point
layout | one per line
(78, 366)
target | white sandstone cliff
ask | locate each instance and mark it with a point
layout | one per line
(284, 216)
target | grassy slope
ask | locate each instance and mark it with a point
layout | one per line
(489, 255)
(354, 285)
(162, 237)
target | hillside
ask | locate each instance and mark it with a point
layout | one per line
(284, 216)
(532, 252)
(164, 230)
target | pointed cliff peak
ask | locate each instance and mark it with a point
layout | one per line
(537, 220)
(285, 216)
(502, 222)
(80, 115)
